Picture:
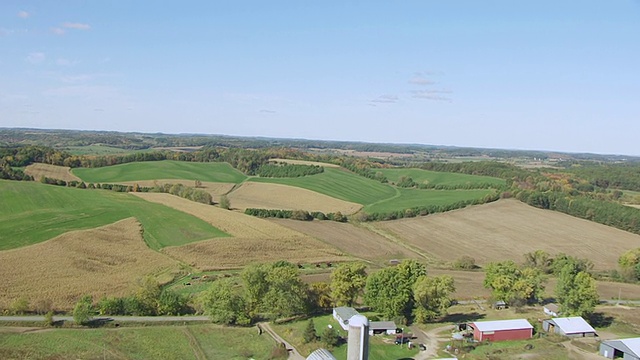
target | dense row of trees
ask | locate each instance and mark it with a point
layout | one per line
(302, 215)
(425, 209)
(616, 176)
(282, 170)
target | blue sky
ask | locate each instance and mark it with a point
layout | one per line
(547, 75)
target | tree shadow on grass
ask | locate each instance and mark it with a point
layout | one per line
(98, 322)
(458, 318)
(601, 320)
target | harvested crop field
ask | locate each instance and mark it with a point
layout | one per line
(276, 196)
(230, 253)
(50, 171)
(507, 229)
(214, 188)
(108, 260)
(255, 240)
(304, 162)
(351, 239)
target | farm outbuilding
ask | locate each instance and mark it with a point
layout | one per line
(321, 354)
(627, 349)
(500, 330)
(569, 326)
(342, 314)
(552, 309)
(382, 327)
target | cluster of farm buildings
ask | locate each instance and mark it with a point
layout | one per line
(502, 330)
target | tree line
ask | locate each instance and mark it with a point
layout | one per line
(302, 215)
(283, 170)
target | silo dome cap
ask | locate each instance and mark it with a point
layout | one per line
(358, 320)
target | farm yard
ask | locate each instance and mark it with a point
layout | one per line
(108, 260)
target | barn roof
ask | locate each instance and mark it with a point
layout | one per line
(382, 325)
(499, 325)
(345, 313)
(321, 354)
(573, 325)
(552, 307)
(629, 346)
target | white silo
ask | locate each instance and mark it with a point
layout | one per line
(358, 340)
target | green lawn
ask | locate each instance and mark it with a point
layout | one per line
(158, 342)
(168, 169)
(33, 212)
(439, 178)
(380, 347)
(340, 184)
(409, 198)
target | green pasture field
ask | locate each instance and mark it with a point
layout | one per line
(168, 169)
(409, 198)
(98, 150)
(340, 184)
(34, 212)
(380, 347)
(439, 178)
(158, 342)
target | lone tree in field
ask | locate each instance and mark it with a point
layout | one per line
(390, 290)
(309, 332)
(513, 284)
(225, 203)
(630, 264)
(432, 296)
(83, 311)
(347, 283)
(576, 291)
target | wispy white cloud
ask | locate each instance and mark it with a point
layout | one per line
(420, 79)
(437, 95)
(267, 111)
(35, 57)
(386, 99)
(66, 62)
(23, 14)
(58, 31)
(77, 26)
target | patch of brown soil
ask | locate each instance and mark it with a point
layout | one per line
(109, 260)
(50, 171)
(276, 196)
(351, 239)
(507, 229)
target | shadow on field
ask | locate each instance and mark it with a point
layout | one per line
(599, 319)
(462, 317)
(98, 322)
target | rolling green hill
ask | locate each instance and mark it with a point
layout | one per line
(33, 212)
(339, 183)
(152, 170)
(410, 198)
(440, 178)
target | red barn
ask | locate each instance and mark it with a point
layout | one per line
(500, 330)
